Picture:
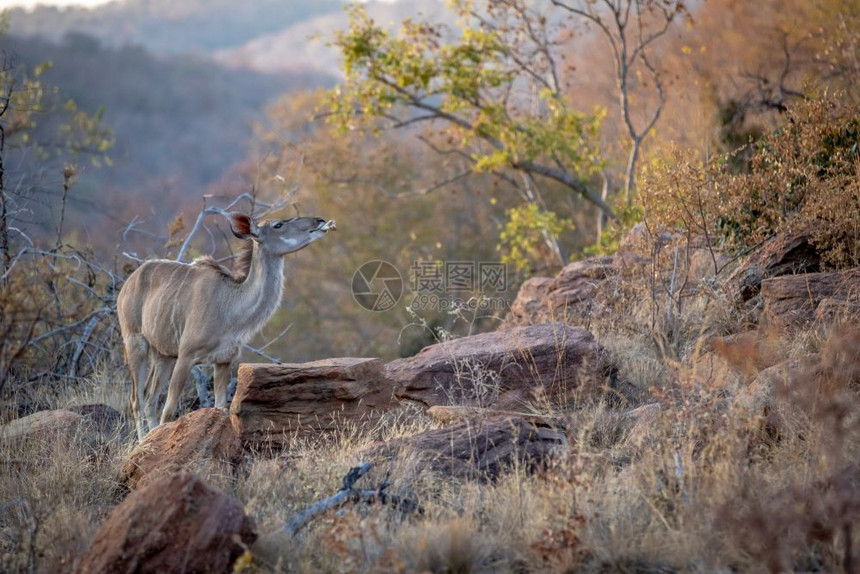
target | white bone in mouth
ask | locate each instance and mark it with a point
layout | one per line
(329, 226)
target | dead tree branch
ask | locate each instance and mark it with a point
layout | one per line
(348, 493)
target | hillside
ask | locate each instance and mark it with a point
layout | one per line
(180, 123)
(530, 346)
(168, 27)
(303, 46)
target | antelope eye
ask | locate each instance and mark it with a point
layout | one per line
(278, 225)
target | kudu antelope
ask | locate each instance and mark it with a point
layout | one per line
(176, 315)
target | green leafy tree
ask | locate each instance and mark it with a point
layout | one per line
(492, 91)
(522, 239)
(496, 90)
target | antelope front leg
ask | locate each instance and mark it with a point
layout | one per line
(177, 381)
(222, 381)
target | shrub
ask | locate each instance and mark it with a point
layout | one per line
(801, 179)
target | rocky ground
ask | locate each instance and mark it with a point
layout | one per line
(700, 417)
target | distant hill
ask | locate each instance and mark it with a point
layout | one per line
(290, 50)
(181, 83)
(170, 26)
(180, 122)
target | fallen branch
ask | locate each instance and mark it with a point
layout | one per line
(348, 493)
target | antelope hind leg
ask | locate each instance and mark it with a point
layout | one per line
(136, 352)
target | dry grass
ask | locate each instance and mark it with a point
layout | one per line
(730, 474)
(54, 492)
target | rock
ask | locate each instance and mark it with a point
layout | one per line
(202, 441)
(506, 369)
(781, 255)
(794, 299)
(832, 310)
(107, 420)
(174, 523)
(274, 402)
(44, 425)
(478, 448)
(444, 415)
(542, 299)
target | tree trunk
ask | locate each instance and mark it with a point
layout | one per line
(630, 183)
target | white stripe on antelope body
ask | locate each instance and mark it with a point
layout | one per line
(176, 315)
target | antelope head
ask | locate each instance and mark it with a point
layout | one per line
(280, 236)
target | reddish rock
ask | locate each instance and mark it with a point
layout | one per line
(478, 448)
(202, 441)
(748, 352)
(816, 386)
(781, 255)
(542, 299)
(273, 402)
(506, 369)
(794, 299)
(174, 523)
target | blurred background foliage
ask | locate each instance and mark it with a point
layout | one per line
(181, 105)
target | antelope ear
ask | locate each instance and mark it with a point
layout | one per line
(243, 226)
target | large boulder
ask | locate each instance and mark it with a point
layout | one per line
(479, 448)
(781, 255)
(174, 523)
(202, 442)
(795, 299)
(107, 420)
(274, 402)
(543, 299)
(48, 428)
(506, 369)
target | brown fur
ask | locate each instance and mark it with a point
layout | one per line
(241, 264)
(176, 315)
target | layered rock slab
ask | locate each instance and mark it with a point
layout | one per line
(795, 299)
(481, 448)
(275, 402)
(542, 299)
(506, 369)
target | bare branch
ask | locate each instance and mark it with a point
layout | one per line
(69, 327)
(262, 353)
(299, 520)
(275, 338)
(199, 222)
